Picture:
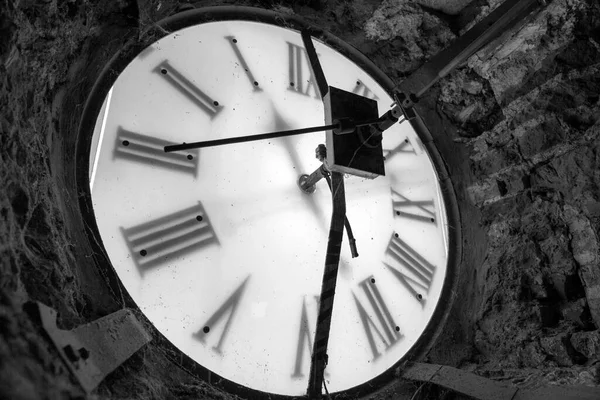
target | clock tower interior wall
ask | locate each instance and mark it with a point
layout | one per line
(517, 126)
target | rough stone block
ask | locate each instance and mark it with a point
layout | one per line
(587, 343)
(555, 346)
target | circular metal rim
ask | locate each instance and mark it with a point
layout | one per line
(223, 13)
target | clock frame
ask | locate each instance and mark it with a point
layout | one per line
(88, 120)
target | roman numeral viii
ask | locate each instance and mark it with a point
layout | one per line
(416, 273)
(164, 239)
(227, 310)
(187, 88)
(150, 151)
(383, 328)
(301, 79)
(419, 210)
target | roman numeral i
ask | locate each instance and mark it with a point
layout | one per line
(187, 88)
(234, 45)
(166, 238)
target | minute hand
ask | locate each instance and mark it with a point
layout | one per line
(249, 138)
(339, 127)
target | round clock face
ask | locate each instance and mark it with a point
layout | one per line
(220, 248)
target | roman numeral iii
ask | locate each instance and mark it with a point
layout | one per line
(187, 88)
(383, 327)
(227, 310)
(166, 238)
(150, 151)
(416, 273)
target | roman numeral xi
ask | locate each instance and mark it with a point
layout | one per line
(166, 238)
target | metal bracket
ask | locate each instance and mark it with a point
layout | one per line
(503, 18)
(93, 350)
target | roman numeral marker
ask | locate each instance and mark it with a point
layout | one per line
(227, 310)
(150, 151)
(388, 332)
(420, 210)
(233, 42)
(361, 89)
(405, 147)
(166, 238)
(298, 82)
(186, 87)
(418, 272)
(304, 341)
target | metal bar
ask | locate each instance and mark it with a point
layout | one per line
(498, 21)
(481, 388)
(249, 138)
(332, 260)
(92, 351)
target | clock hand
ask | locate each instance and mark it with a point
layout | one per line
(291, 150)
(315, 64)
(340, 126)
(332, 259)
(307, 184)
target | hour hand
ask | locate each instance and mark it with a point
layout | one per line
(315, 64)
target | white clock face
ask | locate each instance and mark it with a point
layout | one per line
(220, 248)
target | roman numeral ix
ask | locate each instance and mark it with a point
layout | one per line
(166, 238)
(150, 151)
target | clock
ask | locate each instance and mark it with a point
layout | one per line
(220, 248)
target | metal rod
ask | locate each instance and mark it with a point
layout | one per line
(249, 138)
(332, 261)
